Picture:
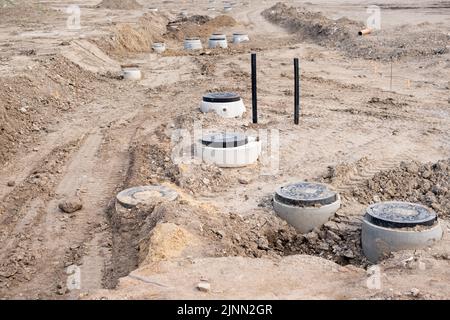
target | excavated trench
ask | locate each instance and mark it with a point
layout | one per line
(260, 234)
(129, 227)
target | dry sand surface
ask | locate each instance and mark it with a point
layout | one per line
(73, 134)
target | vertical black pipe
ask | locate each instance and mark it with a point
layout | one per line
(297, 92)
(254, 90)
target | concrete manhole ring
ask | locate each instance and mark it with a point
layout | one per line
(392, 226)
(131, 72)
(225, 140)
(306, 194)
(400, 215)
(220, 36)
(132, 197)
(193, 43)
(230, 150)
(221, 97)
(239, 37)
(306, 205)
(225, 104)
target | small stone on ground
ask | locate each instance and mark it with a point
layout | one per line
(70, 205)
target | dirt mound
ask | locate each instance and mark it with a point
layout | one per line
(428, 184)
(89, 57)
(342, 34)
(198, 26)
(27, 107)
(129, 38)
(312, 25)
(152, 164)
(120, 5)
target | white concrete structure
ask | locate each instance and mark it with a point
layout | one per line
(215, 42)
(240, 37)
(244, 154)
(226, 105)
(193, 44)
(145, 195)
(131, 73)
(159, 47)
(309, 207)
(224, 109)
(305, 219)
(380, 239)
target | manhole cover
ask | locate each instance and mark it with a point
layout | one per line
(225, 140)
(145, 195)
(221, 97)
(306, 194)
(400, 215)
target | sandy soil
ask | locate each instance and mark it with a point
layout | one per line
(71, 127)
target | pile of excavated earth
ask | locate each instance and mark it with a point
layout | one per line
(120, 4)
(342, 34)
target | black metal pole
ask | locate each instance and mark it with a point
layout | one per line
(297, 92)
(254, 90)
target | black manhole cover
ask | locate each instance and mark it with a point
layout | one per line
(306, 194)
(221, 97)
(145, 195)
(225, 140)
(400, 215)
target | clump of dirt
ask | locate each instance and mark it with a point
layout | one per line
(198, 26)
(201, 178)
(342, 34)
(29, 102)
(339, 240)
(71, 205)
(343, 173)
(120, 5)
(207, 65)
(428, 184)
(159, 166)
(261, 235)
(153, 163)
(127, 38)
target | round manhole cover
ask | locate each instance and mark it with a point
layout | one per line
(306, 194)
(145, 195)
(400, 215)
(225, 140)
(221, 97)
